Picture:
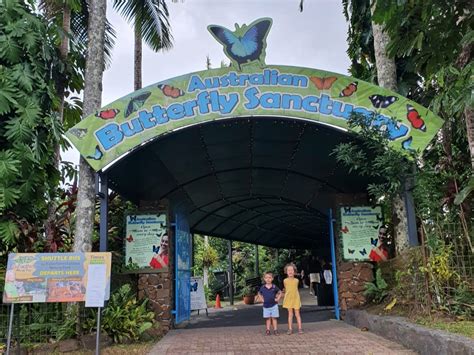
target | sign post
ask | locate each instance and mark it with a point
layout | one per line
(57, 277)
(10, 326)
(198, 298)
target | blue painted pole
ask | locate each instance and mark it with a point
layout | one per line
(333, 260)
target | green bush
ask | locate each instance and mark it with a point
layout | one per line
(376, 291)
(124, 319)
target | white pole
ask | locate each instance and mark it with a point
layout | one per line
(10, 326)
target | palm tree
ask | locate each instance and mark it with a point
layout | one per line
(150, 20)
(92, 101)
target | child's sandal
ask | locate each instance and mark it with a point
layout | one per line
(289, 332)
(275, 332)
(300, 331)
(267, 332)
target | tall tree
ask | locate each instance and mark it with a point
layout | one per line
(92, 101)
(387, 78)
(150, 21)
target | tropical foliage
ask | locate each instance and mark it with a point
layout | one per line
(29, 125)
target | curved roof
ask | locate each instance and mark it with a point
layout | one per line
(264, 180)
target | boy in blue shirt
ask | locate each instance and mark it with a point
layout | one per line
(270, 294)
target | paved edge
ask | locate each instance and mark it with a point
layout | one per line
(423, 340)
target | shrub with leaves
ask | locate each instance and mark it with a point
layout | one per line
(124, 318)
(376, 291)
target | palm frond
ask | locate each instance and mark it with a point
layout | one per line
(150, 17)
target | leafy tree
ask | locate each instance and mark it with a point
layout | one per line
(29, 126)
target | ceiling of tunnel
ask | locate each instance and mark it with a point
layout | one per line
(262, 180)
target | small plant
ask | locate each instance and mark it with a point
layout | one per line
(124, 318)
(376, 291)
(248, 291)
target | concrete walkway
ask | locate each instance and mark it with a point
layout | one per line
(240, 329)
(326, 337)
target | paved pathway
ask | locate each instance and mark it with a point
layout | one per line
(326, 337)
(239, 330)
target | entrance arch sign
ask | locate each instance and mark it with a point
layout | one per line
(249, 88)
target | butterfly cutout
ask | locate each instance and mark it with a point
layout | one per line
(243, 48)
(406, 144)
(136, 102)
(363, 252)
(375, 227)
(351, 251)
(97, 154)
(379, 217)
(129, 238)
(156, 249)
(79, 132)
(194, 286)
(380, 101)
(170, 91)
(374, 241)
(130, 260)
(347, 209)
(107, 114)
(345, 229)
(415, 119)
(323, 83)
(349, 90)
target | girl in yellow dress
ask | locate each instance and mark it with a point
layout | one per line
(292, 300)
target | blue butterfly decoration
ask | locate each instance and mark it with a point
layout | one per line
(363, 252)
(374, 241)
(194, 286)
(156, 249)
(97, 154)
(406, 144)
(246, 43)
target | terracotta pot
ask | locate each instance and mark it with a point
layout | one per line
(249, 299)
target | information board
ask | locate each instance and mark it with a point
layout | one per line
(198, 299)
(53, 277)
(360, 228)
(146, 241)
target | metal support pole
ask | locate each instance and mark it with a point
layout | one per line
(231, 274)
(257, 266)
(10, 326)
(97, 339)
(104, 209)
(334, 269)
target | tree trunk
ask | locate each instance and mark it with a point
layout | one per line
(60, 87)
(92, 99)
(137, 78)
(463, 59)
(387, 78)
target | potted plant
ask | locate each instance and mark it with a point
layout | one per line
(248, 295)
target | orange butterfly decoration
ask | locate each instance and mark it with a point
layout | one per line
(345, 230)
(170, 91)
(323, 83)
(349, 90)
(129, 238)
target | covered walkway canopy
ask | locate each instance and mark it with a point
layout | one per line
(246, 155)
(264, 180)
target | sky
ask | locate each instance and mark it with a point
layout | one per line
(314, 38)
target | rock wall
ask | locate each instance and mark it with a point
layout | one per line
(352, 277)
(158, 289)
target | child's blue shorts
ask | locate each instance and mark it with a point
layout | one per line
(271, 312)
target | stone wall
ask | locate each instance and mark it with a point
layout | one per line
(158, 289)
(352, 277)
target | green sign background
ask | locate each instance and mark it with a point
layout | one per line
(281, 91)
